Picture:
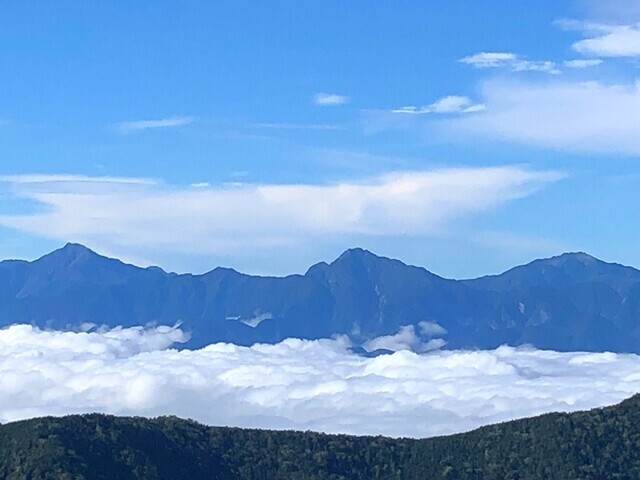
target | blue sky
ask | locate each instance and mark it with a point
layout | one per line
(462, 136)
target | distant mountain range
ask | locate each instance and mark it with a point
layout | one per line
(600, 444)
(569, 302)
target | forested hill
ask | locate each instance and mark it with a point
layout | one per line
(598, 444)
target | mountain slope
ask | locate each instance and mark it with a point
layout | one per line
(571, 302)
(561, 271)
(598, 444)
(574, 298)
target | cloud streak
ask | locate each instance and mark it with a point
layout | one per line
(448, 104)
(298, 384)
(511, 61)
(139, 125)
(582, 63)
(115, 213)
(324, 99)
(297, 126)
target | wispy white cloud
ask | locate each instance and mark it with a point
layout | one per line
(50, 179)
(330, 99)
(578, 116)
(516, 244)
(138, 125)
(489, 59)
(449, 104)
(511, 61)
(611, 11)
(297, 126)
(582, 63)
(297, 384)
(210, 219)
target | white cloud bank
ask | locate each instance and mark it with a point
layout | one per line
(579, 116)
(298, 384)
(114, 213)
(610, 40)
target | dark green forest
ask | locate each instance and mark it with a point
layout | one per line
(598, 444)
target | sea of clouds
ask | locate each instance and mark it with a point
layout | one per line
(297, 384)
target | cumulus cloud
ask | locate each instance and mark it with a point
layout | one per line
(610, 40)
(329, 99)
(511, 61)
(408, 339)
(298, 384)
(118, 213)
(449, 104)
(405, 339)
(431, 329)
(138, 125)
(579, 116)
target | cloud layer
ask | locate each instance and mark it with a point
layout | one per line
(610, 40)
(579, 116)
(298, 384)
(116, 213)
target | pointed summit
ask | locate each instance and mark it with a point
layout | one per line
(353, 258)
(357, 254)
(70, 253)
(78, 258)
(363, 267)
(76, 249)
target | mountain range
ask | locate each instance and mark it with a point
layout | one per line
(600, 444)
(569, 302)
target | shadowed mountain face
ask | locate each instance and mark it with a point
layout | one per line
(570, 302)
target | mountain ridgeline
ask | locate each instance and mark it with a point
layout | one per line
(600, 444)
(569, 302)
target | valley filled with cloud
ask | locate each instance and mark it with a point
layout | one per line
(298, 384)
